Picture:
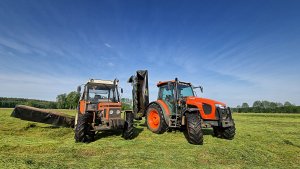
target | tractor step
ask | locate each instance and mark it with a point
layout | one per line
(174, 121)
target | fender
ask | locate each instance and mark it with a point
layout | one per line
(164, 107)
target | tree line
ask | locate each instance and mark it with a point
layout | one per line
(12, 102)
(267, 107)
(63, 101)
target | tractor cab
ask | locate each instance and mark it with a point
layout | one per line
(98, 95)
(171, 93)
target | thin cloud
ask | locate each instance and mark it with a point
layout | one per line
(14, 45)
(107, 45)
(111, 64)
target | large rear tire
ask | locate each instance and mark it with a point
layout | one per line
(128, 130)
(83, 128)
(155, 119)
(193, 128)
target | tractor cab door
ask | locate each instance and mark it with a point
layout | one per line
(166, 94)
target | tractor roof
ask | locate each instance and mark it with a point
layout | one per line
(172, 81)
(98, 81)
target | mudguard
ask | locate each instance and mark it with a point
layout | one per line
(165, 109)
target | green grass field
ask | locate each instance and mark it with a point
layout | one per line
(262, 141)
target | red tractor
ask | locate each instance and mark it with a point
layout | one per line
(177, 107)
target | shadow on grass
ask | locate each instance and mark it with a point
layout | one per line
(109, 133)
(29, 125)
(52, 127)
(206, 131)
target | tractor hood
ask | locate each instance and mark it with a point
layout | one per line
(207, 106)
(198, 100)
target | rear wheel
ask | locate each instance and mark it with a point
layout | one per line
(155, 119)
(128, 130)
(83, 128)
(193, 128)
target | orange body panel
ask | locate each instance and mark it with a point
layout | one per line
(107, 106)
(197, 101)
(82, 104)
(164, 82)
(164, 106)
(101, 106)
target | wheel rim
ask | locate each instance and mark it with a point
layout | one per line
(153, 119)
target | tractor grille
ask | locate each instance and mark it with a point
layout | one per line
(207, 108)
(223, 113)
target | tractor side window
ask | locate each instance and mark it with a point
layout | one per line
(185, 90)
(166, 94)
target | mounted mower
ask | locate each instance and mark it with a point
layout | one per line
(177, 107)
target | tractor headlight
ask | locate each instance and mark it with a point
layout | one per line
(118, 111)
(111, 112)
(220, 106)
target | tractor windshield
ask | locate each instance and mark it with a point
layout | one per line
(185, 90)
(102, 93)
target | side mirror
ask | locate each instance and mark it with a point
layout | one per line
(78, 89)
(122, 90)
(200, 87)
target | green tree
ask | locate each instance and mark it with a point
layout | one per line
(258, 104)
(72, 100)
(61, 101)
(287, 103)
(273, 105)
(266, 104)
(279, 104)
(126, 106)
(245, 105)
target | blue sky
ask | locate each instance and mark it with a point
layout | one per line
(239, 51)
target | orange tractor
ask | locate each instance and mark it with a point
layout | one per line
(177, 107)
(100, 109)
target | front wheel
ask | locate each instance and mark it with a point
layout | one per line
(83, 129)
(226, 132)
(128, 130)
(193, 128)
(155, 119)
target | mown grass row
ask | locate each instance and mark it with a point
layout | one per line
(262, 141)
